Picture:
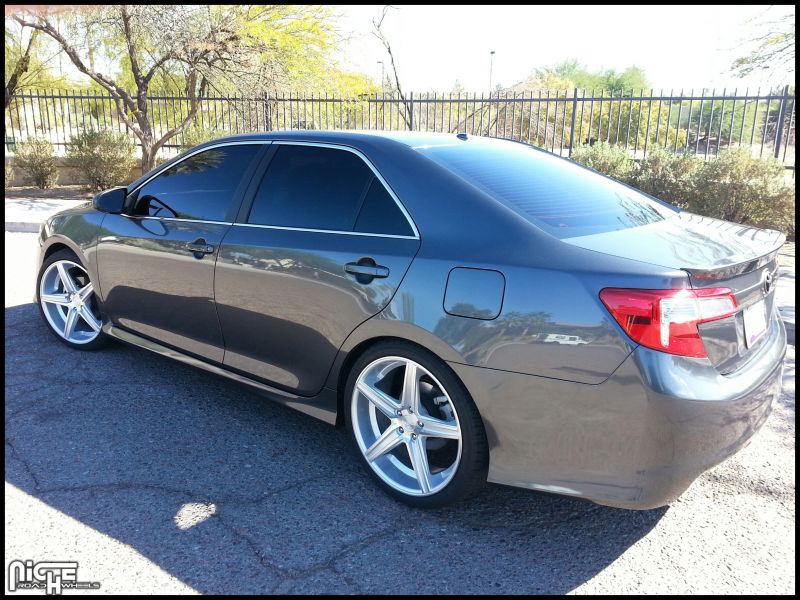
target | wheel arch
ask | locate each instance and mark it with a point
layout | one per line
(86, 255)
(55, 247)
(374, 332)
(57, 242)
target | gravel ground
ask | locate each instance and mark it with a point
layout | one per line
(158, 477)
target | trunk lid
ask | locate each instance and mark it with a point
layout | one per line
(714, 254)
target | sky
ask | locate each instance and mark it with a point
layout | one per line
(677, 46)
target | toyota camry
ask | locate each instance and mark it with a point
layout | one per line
(469, 309)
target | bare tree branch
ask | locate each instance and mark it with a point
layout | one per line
(378, 33)
(192, 45)
(43, 25)
(22, 66)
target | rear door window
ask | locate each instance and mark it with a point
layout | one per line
(327, 189)
(311, 187)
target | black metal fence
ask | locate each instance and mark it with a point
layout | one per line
(557, 120)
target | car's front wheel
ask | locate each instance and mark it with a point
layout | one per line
(415, 426)
(67, 301)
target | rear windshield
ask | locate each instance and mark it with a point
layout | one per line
(562, 198)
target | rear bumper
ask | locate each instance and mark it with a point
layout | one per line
(637, 440)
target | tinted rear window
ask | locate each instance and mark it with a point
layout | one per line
(562, 198)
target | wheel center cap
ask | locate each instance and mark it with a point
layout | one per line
(409, 423)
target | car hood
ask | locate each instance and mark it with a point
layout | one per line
(686, 241)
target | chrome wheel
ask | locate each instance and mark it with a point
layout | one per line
(406, 426)
(67, 299)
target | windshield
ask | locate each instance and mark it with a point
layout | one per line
(562, 198)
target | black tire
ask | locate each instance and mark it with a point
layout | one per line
(470, 475)
(102, 338)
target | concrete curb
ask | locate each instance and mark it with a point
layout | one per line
(18, 227)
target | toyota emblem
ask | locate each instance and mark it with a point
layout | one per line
(766, 281)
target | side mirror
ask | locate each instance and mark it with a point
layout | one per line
(111, 201)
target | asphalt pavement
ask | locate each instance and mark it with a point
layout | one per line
(160, 478)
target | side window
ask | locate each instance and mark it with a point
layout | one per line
(311, 187)
(202, 187)
(380, 213)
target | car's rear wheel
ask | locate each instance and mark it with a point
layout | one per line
(415, 426)
(66, 298)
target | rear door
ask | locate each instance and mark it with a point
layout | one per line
(156, 264)
(320, 246)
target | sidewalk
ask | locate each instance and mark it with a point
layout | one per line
(27, 207)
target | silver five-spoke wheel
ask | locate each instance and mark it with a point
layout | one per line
(406, 426)
(67, 299)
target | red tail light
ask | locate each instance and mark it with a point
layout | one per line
(667, 320)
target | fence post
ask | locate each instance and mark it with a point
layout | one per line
(574, 114)
(267, 112)
(411, 111)
(781, 116)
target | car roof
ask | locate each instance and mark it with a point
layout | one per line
(412, 139)
(366, 141)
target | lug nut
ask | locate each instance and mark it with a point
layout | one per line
(399, 413)
(420, 424)
(413, 436)
(401, 430)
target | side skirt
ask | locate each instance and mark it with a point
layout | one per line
(323, 406)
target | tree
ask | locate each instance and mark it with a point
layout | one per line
(457, 88)
(26, 62)
(774, 48)
(377, 23)
(632, 78)
(196, 47)
(19, 66)
(571, 73)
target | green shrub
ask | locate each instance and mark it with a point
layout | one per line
(197, 134)
(104, 158)
(753, 191)
(609, 159)
(733, 187)
(9, 175)
(667, 176)
(36, 156)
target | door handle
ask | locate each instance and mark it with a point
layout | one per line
(366, 270)
(200, 247)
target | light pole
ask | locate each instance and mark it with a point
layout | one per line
(380, 62)
(491, 64)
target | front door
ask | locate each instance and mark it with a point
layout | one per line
(156, 264)
(322, 249)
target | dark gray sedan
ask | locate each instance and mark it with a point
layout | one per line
(468, 308)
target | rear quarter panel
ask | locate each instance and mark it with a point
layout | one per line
(538, 301)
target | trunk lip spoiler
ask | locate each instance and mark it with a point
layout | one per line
(735, 269)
